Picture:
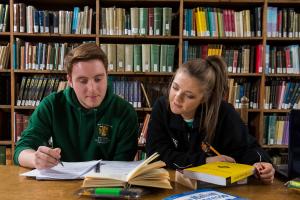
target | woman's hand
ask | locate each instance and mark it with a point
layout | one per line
(221, 158)
(265, 172)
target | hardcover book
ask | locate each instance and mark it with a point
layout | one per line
(220, 173)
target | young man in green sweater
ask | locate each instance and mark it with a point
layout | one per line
(86, 121)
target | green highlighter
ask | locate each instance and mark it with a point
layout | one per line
(122, 193)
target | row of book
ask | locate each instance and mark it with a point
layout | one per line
(276, 130)
(239, 59)
(21, 123)
(129, 90)
(282, 59)
(218, 22)
(139, 57)
(140, 93)
(136, 21)
(283, 22)
(31, 20)
(242, 87)
(40, 56)
(281, 94)
(4, 56)
(5, 155)
(34, 89)
(4, 17)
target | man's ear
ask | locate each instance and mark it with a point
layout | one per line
(69, 78)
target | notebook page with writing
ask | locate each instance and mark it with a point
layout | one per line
(70, 170)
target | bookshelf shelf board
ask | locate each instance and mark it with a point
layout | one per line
(4, 33)
(275, 146)
(139, 38)
(5, 106)
(140, 1)
(277, 110)
(254, 110)
(224, 1)
(244, 74)
(5, 142)
(223, 39)
(54, 35)
(250, 110)
(283, 75)
(39, 71)
(142, 73)
(25, 107)
(143, 109)
(283, 39)
(283, 2)
(4, 70)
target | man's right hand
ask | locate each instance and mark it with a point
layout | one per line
(45, 157)
(221, 158)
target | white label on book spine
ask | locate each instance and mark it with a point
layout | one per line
(135, 31)
(157, 32)
(193, 33)
(155, 68)
(143, 31)
(46, 29)
(151, 31)
(120, 64)
(110, 67)
(128, 68)
(167, 26)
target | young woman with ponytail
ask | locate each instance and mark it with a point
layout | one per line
(195, 113)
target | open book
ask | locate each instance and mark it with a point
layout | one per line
(120, 173)
(219, 173)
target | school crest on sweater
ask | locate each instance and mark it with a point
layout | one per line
(103, 133)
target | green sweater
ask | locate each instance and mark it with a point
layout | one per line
(108, 132)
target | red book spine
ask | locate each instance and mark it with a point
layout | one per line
(151, 21)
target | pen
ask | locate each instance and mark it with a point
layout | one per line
(52, 148)
(111, 192)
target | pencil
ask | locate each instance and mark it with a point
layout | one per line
(214, 150)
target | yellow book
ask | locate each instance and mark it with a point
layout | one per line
(219, 173)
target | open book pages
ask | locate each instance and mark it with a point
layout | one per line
(70, 170)
(120, 173)
(220, 173)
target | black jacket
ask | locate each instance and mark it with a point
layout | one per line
(169, 135)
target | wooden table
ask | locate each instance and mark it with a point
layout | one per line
(13, 187)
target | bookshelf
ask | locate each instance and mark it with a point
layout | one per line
(177, 37)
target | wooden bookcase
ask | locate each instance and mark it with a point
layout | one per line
(177, 38)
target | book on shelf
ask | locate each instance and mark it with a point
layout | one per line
(203, 194)
(220, 173)
(120, 173)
